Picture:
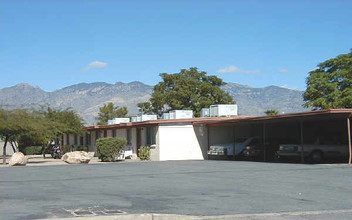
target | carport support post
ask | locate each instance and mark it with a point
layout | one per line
(302, 148)
(349, 141)
(264, 141)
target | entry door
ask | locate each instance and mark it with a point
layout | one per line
(139, 140)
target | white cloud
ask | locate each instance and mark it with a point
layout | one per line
(95, 65)
(284, 70)
(235, 69)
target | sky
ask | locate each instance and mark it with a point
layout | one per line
(58, 43)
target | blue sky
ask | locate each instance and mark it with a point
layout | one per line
(53, 44)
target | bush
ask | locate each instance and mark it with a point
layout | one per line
(32, 150)
(108, 149)
(82, 148)
(67, 148)
(144, 153)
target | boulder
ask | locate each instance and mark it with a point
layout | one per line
(18, 159)
(76, 157)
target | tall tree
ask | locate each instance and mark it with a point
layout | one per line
(37, 126)
(330, 85)
(272, 112)
(110, 111)
(188, 89)
(145, 108)
(13, 124)
(54, 123)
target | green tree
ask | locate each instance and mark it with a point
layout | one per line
(272, 112)
(109, 111)
(145, 108)
(188, 89)
(53, 123)
(13, 124)
(42, 126)
(330, 85)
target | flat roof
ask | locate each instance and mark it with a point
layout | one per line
(224, 121)
(163, 121)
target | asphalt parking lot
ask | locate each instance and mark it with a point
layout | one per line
(197, 188)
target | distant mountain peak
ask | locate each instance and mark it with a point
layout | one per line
(86, 98)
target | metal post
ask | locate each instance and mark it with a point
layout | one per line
(208, 140)
(302, 148)
(234, 144)
(349, 141)
(264, 141)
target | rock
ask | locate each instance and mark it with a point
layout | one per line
(18, 159)
(76, 157)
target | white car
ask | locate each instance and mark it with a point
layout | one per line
(128, 152)
(315, 153)
(230, 149)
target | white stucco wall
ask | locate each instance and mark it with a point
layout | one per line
(121, 133)
(92, 147)
(109, 133)
(180, 142)
(71, 139)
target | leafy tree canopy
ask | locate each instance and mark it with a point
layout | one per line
(145, 108)
(188, 89)
(330, 85)
(37, 126)
(110, 111)
(272, 112)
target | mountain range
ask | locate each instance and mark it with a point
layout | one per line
(86, 98)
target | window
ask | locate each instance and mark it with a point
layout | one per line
(88, 139)
(67, 139)
(114, 133)
(97, 135)
(129, 137)
(151, 135)
(75, 139)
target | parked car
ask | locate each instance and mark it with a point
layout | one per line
(128, 152)
(228, 150)
(315, 153)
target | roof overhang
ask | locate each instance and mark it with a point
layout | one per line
(233, 120)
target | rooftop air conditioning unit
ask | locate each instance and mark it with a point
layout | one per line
(179, 114)
(205, 112)
(223, 110)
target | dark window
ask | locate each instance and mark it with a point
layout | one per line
(67, 139)
(88, 136)
(97, 135)
(151, 135)
(129, 137)
(114, 133)
(75, 139)
(105, 133)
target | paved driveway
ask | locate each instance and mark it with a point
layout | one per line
(175, 187)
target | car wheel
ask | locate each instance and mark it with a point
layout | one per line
(316, 157)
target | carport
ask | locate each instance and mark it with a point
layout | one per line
(332, 126)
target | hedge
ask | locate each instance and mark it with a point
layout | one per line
(144, 153)
(109, 148)
(32, 150)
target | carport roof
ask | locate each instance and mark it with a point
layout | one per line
(309, 115)
(223, 121)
